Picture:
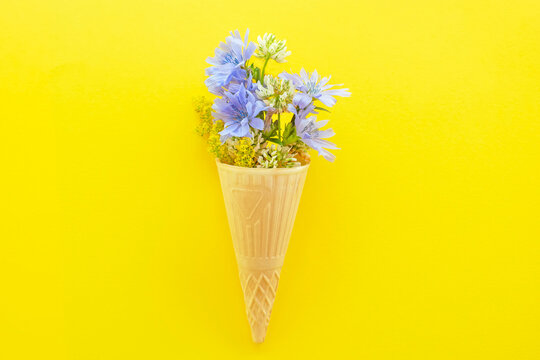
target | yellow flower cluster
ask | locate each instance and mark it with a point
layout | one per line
(203, 107)
(221, 151)
(245, 154)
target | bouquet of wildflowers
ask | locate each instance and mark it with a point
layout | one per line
(263, 125)
(262, 120)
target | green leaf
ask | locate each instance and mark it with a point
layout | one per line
(275, 140)
(289, 134)
(272, 132)
(255, 71)
(320, 108)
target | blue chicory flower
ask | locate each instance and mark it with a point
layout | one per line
(312, 87)
(301, 113)
(248, 84)
(239, 112)
(308, 130)
(228, 61)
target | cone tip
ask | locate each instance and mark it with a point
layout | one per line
(258, 333)
(258, 339)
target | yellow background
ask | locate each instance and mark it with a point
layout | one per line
(420, 242)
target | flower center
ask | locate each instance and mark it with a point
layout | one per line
(241, 115)
(311, 130)
(312, 87)
(230, 59)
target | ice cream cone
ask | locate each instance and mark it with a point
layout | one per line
(261, 207)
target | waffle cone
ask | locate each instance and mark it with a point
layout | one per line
(261, 207)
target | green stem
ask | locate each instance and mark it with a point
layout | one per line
(279, 126)
(264, 68)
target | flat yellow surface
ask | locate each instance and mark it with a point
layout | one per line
(422, 241)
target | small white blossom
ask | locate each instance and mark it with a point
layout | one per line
(276, 156)
(268, 158)
(270, 47)
(275, 92)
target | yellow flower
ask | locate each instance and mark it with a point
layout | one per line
(221, 151)
(245, 154)
(203, 107)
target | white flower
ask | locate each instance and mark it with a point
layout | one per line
(277, 93)
(270, 47)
